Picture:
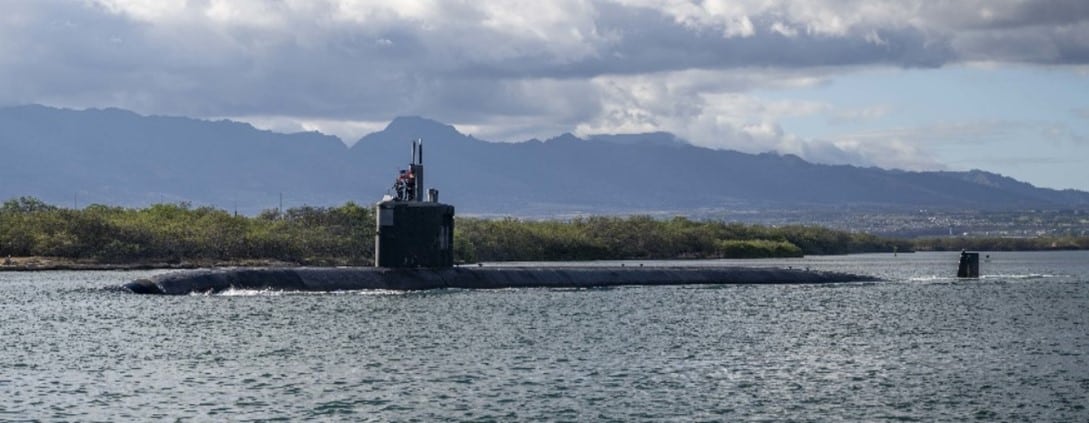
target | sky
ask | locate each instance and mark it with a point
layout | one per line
(997, 85)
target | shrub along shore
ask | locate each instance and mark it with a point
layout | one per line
(179, 235)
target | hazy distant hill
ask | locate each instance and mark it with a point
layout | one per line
(118, 157)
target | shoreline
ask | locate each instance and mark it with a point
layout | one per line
(45, 264)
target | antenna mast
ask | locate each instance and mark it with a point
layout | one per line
(417, 169)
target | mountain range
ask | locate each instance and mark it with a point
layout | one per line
(118, 157)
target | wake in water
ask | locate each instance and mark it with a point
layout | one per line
(1022, 276)
(932, 278)
(994, 277)
(233, 292)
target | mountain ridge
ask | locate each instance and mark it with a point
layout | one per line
(114, 156)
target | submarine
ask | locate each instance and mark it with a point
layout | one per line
(414, 251)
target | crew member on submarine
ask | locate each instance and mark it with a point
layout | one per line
(405, 186)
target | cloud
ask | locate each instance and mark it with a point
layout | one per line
(707, 108)
(712, 109)
(889, 154)
(348, 131)
(344, 58)
(514, 70)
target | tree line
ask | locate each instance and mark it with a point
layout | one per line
(173, 233)
(1002, 243)
(643, 237)
(344, 235)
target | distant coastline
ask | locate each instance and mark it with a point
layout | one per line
(36, 263)
(38, 236)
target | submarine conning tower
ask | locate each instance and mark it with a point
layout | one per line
(413, 231)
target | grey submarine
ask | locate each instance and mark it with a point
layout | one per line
(414, 251)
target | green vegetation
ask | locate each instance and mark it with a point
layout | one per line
(642, 237)
(344, 235)
(172, 233)
(1002, 243)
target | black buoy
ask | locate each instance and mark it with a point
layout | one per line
(969, 265)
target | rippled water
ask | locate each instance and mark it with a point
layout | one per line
(924, 346)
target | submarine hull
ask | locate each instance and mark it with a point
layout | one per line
(411, 279)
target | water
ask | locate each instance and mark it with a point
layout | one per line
(922, 347)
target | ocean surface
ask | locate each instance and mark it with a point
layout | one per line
(922, 346)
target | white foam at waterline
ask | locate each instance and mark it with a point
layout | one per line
(1020, 276)
(233, 292)
(932, 278)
